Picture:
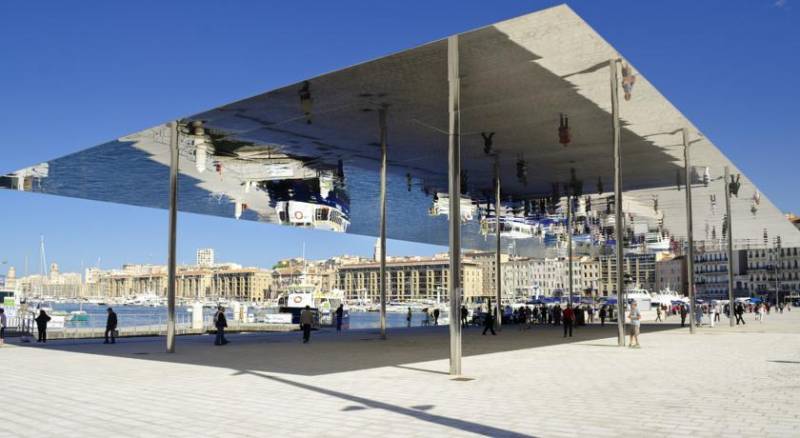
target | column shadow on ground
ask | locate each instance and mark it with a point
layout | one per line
(329, 352)
(414, 412)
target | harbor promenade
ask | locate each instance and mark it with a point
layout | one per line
(718, 382)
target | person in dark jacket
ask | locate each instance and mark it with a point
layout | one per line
(683, 315)
(436, 316)
(488, 321)
(220, 322)
(739, 312)
(306, 321)
(111, 326)
(603, 315)
(41, 325)
(339, 318)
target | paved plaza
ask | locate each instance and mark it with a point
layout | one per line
(719, 382)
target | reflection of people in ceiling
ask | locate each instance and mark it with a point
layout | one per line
(305, 100)
(628, 80)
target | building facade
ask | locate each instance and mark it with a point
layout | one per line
(641, 269)
(412, 278)
(711, 274)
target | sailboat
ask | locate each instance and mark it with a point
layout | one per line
(79, 315)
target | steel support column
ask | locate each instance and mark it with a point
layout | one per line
(454, 167)
(382, 273)
(173, 223)
(619, 225)
(569, 249)
(689, 229)
(498, 280)
(729, 220)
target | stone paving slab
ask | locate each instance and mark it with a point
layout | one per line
(743, 381)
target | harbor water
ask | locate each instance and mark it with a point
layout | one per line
(148, 315)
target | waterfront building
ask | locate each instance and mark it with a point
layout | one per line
(487, 261)
(410, 278)
(641, 269)
(671, 274)
(527, 277)
(771, 269)
(54, 284)
(711, 274)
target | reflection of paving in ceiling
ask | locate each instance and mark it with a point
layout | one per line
(518, 78)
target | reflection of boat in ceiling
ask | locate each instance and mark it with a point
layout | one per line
(309, 215)
(441, 206)
(315, 203)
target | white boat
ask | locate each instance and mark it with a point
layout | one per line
(665, 297)
(641, 296)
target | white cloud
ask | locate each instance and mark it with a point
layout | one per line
(780, 3)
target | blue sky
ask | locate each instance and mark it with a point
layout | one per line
(76, 74)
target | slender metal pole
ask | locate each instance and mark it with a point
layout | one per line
(689, 229)
(730, 246)
(173, 223)
(498, 280)
(569, 242)
(382, 273)
(454, 165)
(618, 218)
(777, 274)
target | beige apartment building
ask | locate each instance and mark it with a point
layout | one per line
(413, 278)
(245, 284)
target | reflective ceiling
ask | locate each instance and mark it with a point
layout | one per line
(307, 154)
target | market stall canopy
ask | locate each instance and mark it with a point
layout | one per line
(535, 101)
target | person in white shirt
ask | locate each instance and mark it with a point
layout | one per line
(636, 318)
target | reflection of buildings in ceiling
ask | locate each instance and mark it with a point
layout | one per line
(593, 223)
(277, 187)
(25, 179)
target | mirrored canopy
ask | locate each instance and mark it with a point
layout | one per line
(535, 96)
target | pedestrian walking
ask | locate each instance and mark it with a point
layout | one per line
(41, 325)
(602, 315)
(306, 319)
(635, 318)
(111, 326)
(717, 311)
(3, 324)
(683, 315)
(220, 322)
(488, 322)
(569, 319)
(340, 317)
(658, 314)
(436, 316)
(739, 312)
(464, 316)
